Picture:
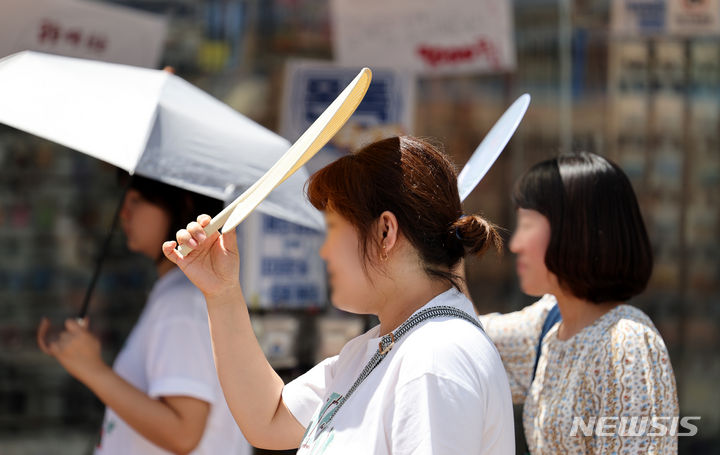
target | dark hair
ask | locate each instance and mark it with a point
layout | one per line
(599, 248)
(182, 206)
(417, 183)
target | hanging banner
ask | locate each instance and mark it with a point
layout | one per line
(449, 37)
(665, 17)
(74, 28)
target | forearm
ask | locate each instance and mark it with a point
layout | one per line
(253, 390)
(153, 419)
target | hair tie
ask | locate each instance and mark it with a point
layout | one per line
(457, 230)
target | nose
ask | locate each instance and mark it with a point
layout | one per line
(323, 250)
(515, 245)
(125, 209)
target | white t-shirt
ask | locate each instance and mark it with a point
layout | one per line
(442, 389)
(169, 353)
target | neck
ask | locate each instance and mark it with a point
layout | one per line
(163, 267)
(398, 306)
(578, 313)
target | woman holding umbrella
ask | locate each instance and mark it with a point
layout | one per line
(162, 394)
(427, 379)
(581, 242)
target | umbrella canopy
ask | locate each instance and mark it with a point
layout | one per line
(148, 122)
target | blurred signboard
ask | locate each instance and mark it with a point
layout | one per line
(694, 17)
(448, 37)
(310, 87)
(665, 17)
(281, 267)
(75, 28)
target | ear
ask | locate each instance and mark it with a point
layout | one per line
(387, 230)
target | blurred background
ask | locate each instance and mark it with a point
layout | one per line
(636, 81)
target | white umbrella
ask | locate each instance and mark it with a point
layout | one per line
(148, 122)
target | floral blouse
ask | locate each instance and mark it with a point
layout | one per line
(610, 389)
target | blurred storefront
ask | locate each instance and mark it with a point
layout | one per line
(637, 83)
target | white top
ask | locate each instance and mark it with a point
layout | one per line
(618, 367)
(442, 389)
(168, 353)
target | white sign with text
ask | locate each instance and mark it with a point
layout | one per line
(665, 17)
(449, 37)
(82, 29)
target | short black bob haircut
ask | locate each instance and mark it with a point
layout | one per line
(599, 248)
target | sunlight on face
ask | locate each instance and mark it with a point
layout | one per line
(349, 285)
(530, 242)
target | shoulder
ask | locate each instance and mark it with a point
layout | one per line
(628, 326)
(632, 363)
(627, 335)
(452, 349)
(528, 320)
(181, 301)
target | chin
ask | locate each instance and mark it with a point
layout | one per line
(345, 304)
(133, 248)
(533, 291)
(341, 304)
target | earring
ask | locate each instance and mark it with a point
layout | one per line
(384, 255)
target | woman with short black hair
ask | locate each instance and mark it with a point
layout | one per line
(603, 369)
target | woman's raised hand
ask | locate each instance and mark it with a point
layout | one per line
(214, 264)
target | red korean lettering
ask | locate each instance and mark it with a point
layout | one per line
(49, 31)
(73, 37)
(97, 43)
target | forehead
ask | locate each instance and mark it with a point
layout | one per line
(339, 223)
(138, 198)
(132, 192)
(334, 217)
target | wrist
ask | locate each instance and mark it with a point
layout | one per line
(91, 372)
(230, 294)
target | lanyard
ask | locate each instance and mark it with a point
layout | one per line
(388, 341)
